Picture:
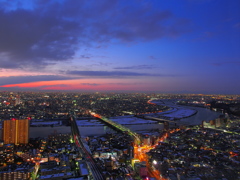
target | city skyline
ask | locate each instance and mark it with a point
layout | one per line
(190, 46)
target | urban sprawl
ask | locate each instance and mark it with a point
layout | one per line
(119, 136)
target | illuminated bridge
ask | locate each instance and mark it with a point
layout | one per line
(157, 119)
(163, 120)
(118, 127)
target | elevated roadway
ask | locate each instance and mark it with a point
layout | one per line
(95, 170)
(158, 119)
(176, 123)
(118, 127)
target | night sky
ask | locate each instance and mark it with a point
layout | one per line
(168, 46)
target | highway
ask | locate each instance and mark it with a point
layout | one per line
(139, 151)
(95, 170)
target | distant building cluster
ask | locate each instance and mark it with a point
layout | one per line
(222, 121)
(56, 106)
(198, 153)
(207, 151)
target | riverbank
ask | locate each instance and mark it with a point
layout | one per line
(199, 114)
(189, 115)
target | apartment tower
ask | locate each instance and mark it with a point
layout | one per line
(16, 131)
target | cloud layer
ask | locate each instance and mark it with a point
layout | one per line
(138, 67)
(51, 31)
(108, 73)
(27, 79)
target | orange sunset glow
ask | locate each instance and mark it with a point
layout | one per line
(78, 84)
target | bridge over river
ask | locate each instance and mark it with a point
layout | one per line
(175, 123)
(117, 126)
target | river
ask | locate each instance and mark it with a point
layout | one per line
(202, 114)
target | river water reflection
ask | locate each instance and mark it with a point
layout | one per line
(88, 130)
(203, 114)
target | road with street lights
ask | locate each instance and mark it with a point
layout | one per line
(96, 172)
(139, 150)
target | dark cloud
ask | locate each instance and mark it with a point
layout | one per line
(5, 63)
(55, 30)
(29, 36)
(111, 74)
(27, 79)
(137, 67)
(100, 64)
(107, 73)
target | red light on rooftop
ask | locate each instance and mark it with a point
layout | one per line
(13, 119)
(29, 118)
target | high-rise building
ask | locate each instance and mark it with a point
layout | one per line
(16, 131)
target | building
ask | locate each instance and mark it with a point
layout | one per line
(16, 131)
(23, 174)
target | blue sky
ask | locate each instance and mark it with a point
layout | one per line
(189, 46)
